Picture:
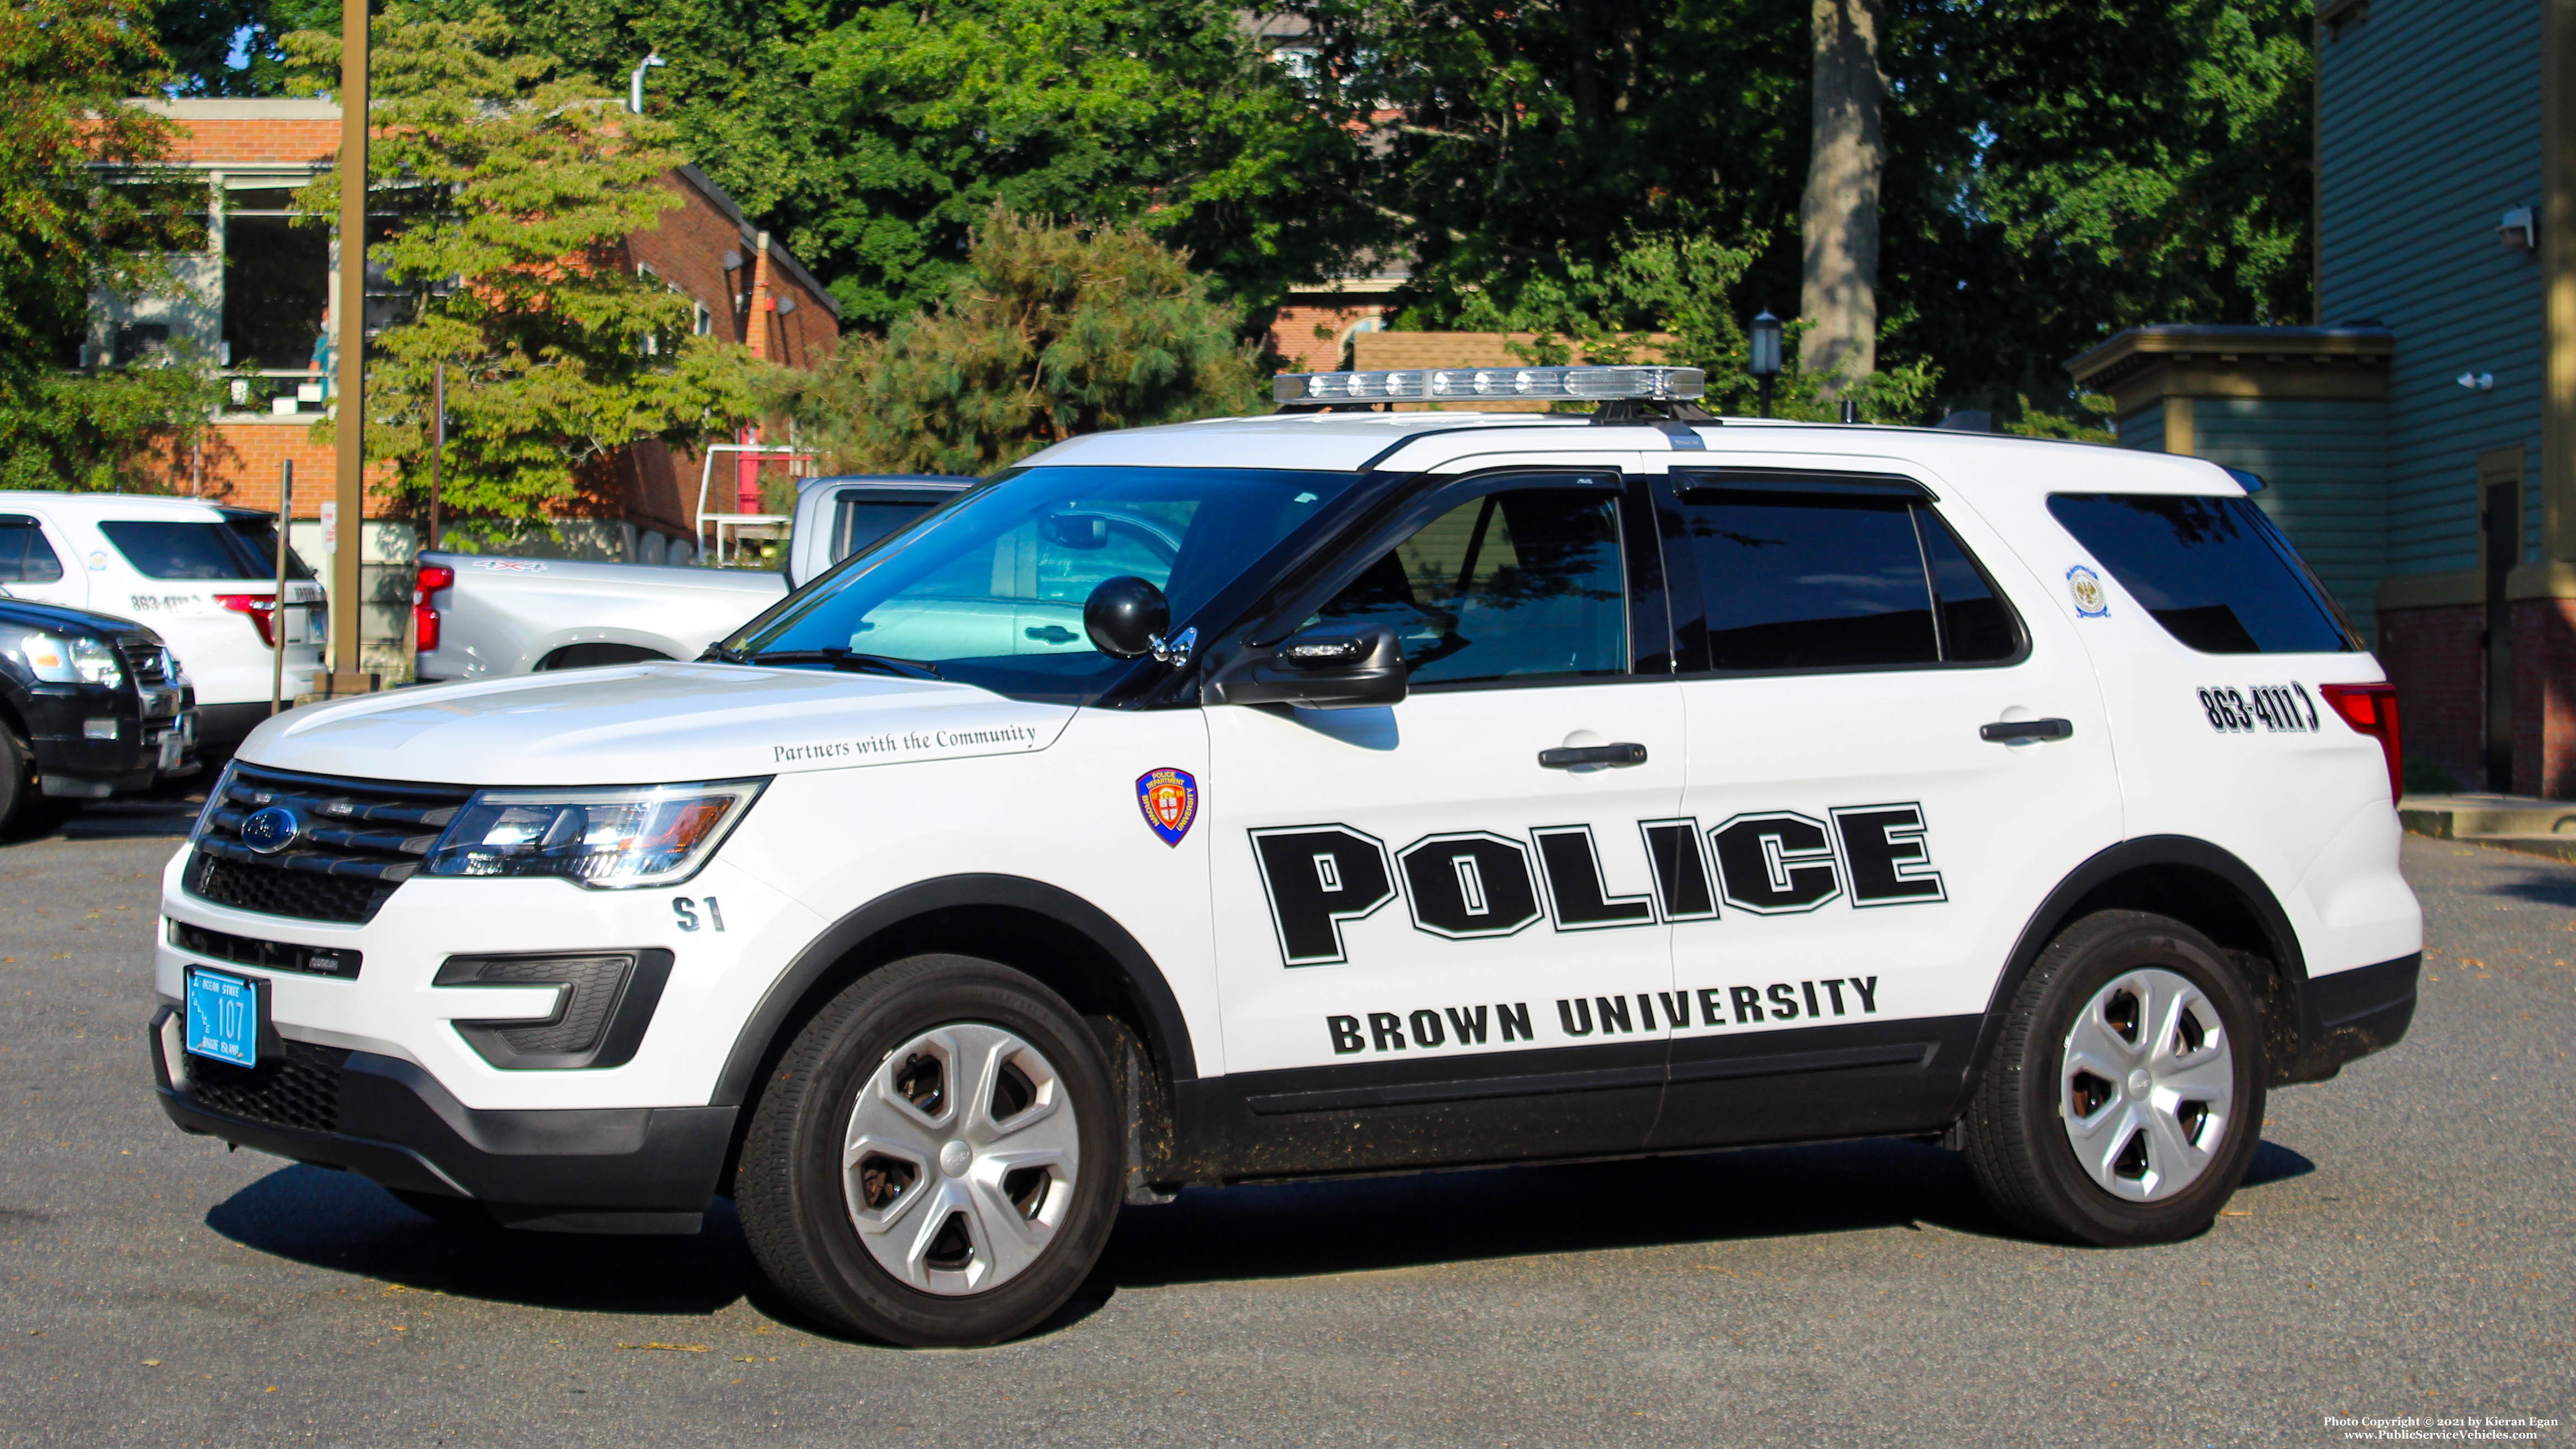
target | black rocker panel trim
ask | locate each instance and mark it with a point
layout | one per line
(1430, 1111)
(1808, 1084)
(1169, 1034)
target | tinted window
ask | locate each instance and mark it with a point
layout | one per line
(1976, 626)
(25, 557)
(258, 533)
(858, 522)
(1519, 585)
(2213, 571)
(241, 547)
(1798, 580)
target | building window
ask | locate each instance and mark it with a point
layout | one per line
(277, 279)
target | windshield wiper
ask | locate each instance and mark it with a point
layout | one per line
(722, 655)
(848, 659)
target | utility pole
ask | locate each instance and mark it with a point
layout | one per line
(350, 494)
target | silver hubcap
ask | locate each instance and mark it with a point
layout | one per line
(960, 1158)
(2148, 1085)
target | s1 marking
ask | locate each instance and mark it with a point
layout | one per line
(684, 910)
(2274, 708)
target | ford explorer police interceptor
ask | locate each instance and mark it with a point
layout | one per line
(1331, 792)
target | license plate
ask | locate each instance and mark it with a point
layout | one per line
(223, 1017)
(173, 745)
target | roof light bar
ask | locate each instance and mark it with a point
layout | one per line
(1467, 384)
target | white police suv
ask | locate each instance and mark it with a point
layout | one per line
(1331, 792)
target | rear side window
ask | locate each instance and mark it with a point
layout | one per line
(1822, 578)
(258, 533)
(188, 550)
(25, 557)
(2213, 571)
(859, 521)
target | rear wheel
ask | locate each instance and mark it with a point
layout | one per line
(935, 1160)
(2125, 1098)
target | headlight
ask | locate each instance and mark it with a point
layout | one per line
(53, 658)
(640, 835)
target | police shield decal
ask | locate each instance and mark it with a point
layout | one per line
(1170, 800)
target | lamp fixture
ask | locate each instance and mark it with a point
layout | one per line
(2520, 228)
(2477, 381)
(1762, 357)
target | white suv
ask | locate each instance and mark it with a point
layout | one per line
(204, 577)
(1339, 792)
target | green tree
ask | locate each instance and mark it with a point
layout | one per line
(2054, 169)
(85, 206)
(872, 137)
(1050, 330)
(203, 37)
(1663, 297)
(510, 193)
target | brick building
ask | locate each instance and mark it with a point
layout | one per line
(2421, 442)
(257, 299)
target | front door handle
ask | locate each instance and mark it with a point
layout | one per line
(2017, 731)
(1569, 756)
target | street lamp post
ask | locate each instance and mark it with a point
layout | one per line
(1764, 363)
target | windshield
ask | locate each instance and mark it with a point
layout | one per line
(989, 591)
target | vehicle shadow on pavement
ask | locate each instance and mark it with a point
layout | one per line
(2546, 885)
(342, 1222)
(1396, 1222)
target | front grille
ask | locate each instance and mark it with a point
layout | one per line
(274, 955)
(148, 662)
(356, 841)
(300, 1088)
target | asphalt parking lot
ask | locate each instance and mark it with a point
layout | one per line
(2404, 1250)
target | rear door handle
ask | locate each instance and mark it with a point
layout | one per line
(1569, 756)
(2013, 732)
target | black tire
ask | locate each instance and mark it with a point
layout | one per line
(461, 1213)
(25, 811)
(790, 1193)
(2018, 1144)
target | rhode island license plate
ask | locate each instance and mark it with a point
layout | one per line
(223, 1017)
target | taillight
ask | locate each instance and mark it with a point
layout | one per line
(261, 609)
(2372, 710)
(424, 614)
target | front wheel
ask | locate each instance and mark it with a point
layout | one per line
(935, 1160)
(2125, 1097)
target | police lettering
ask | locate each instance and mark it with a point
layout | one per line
(1466, 885)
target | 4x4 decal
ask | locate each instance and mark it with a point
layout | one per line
(1472, 884)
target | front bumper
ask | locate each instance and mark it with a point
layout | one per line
(588, 1170)
(72, 764)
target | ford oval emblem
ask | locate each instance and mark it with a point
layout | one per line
(271, 830)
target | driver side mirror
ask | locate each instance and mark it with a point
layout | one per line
(1126, 617)
(1325, 667)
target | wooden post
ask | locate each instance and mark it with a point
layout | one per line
(344, 676)
(277, 601)
(437, 444)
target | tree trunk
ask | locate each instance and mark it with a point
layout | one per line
(1839, 218)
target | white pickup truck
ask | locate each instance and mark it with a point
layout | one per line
(481, 616)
